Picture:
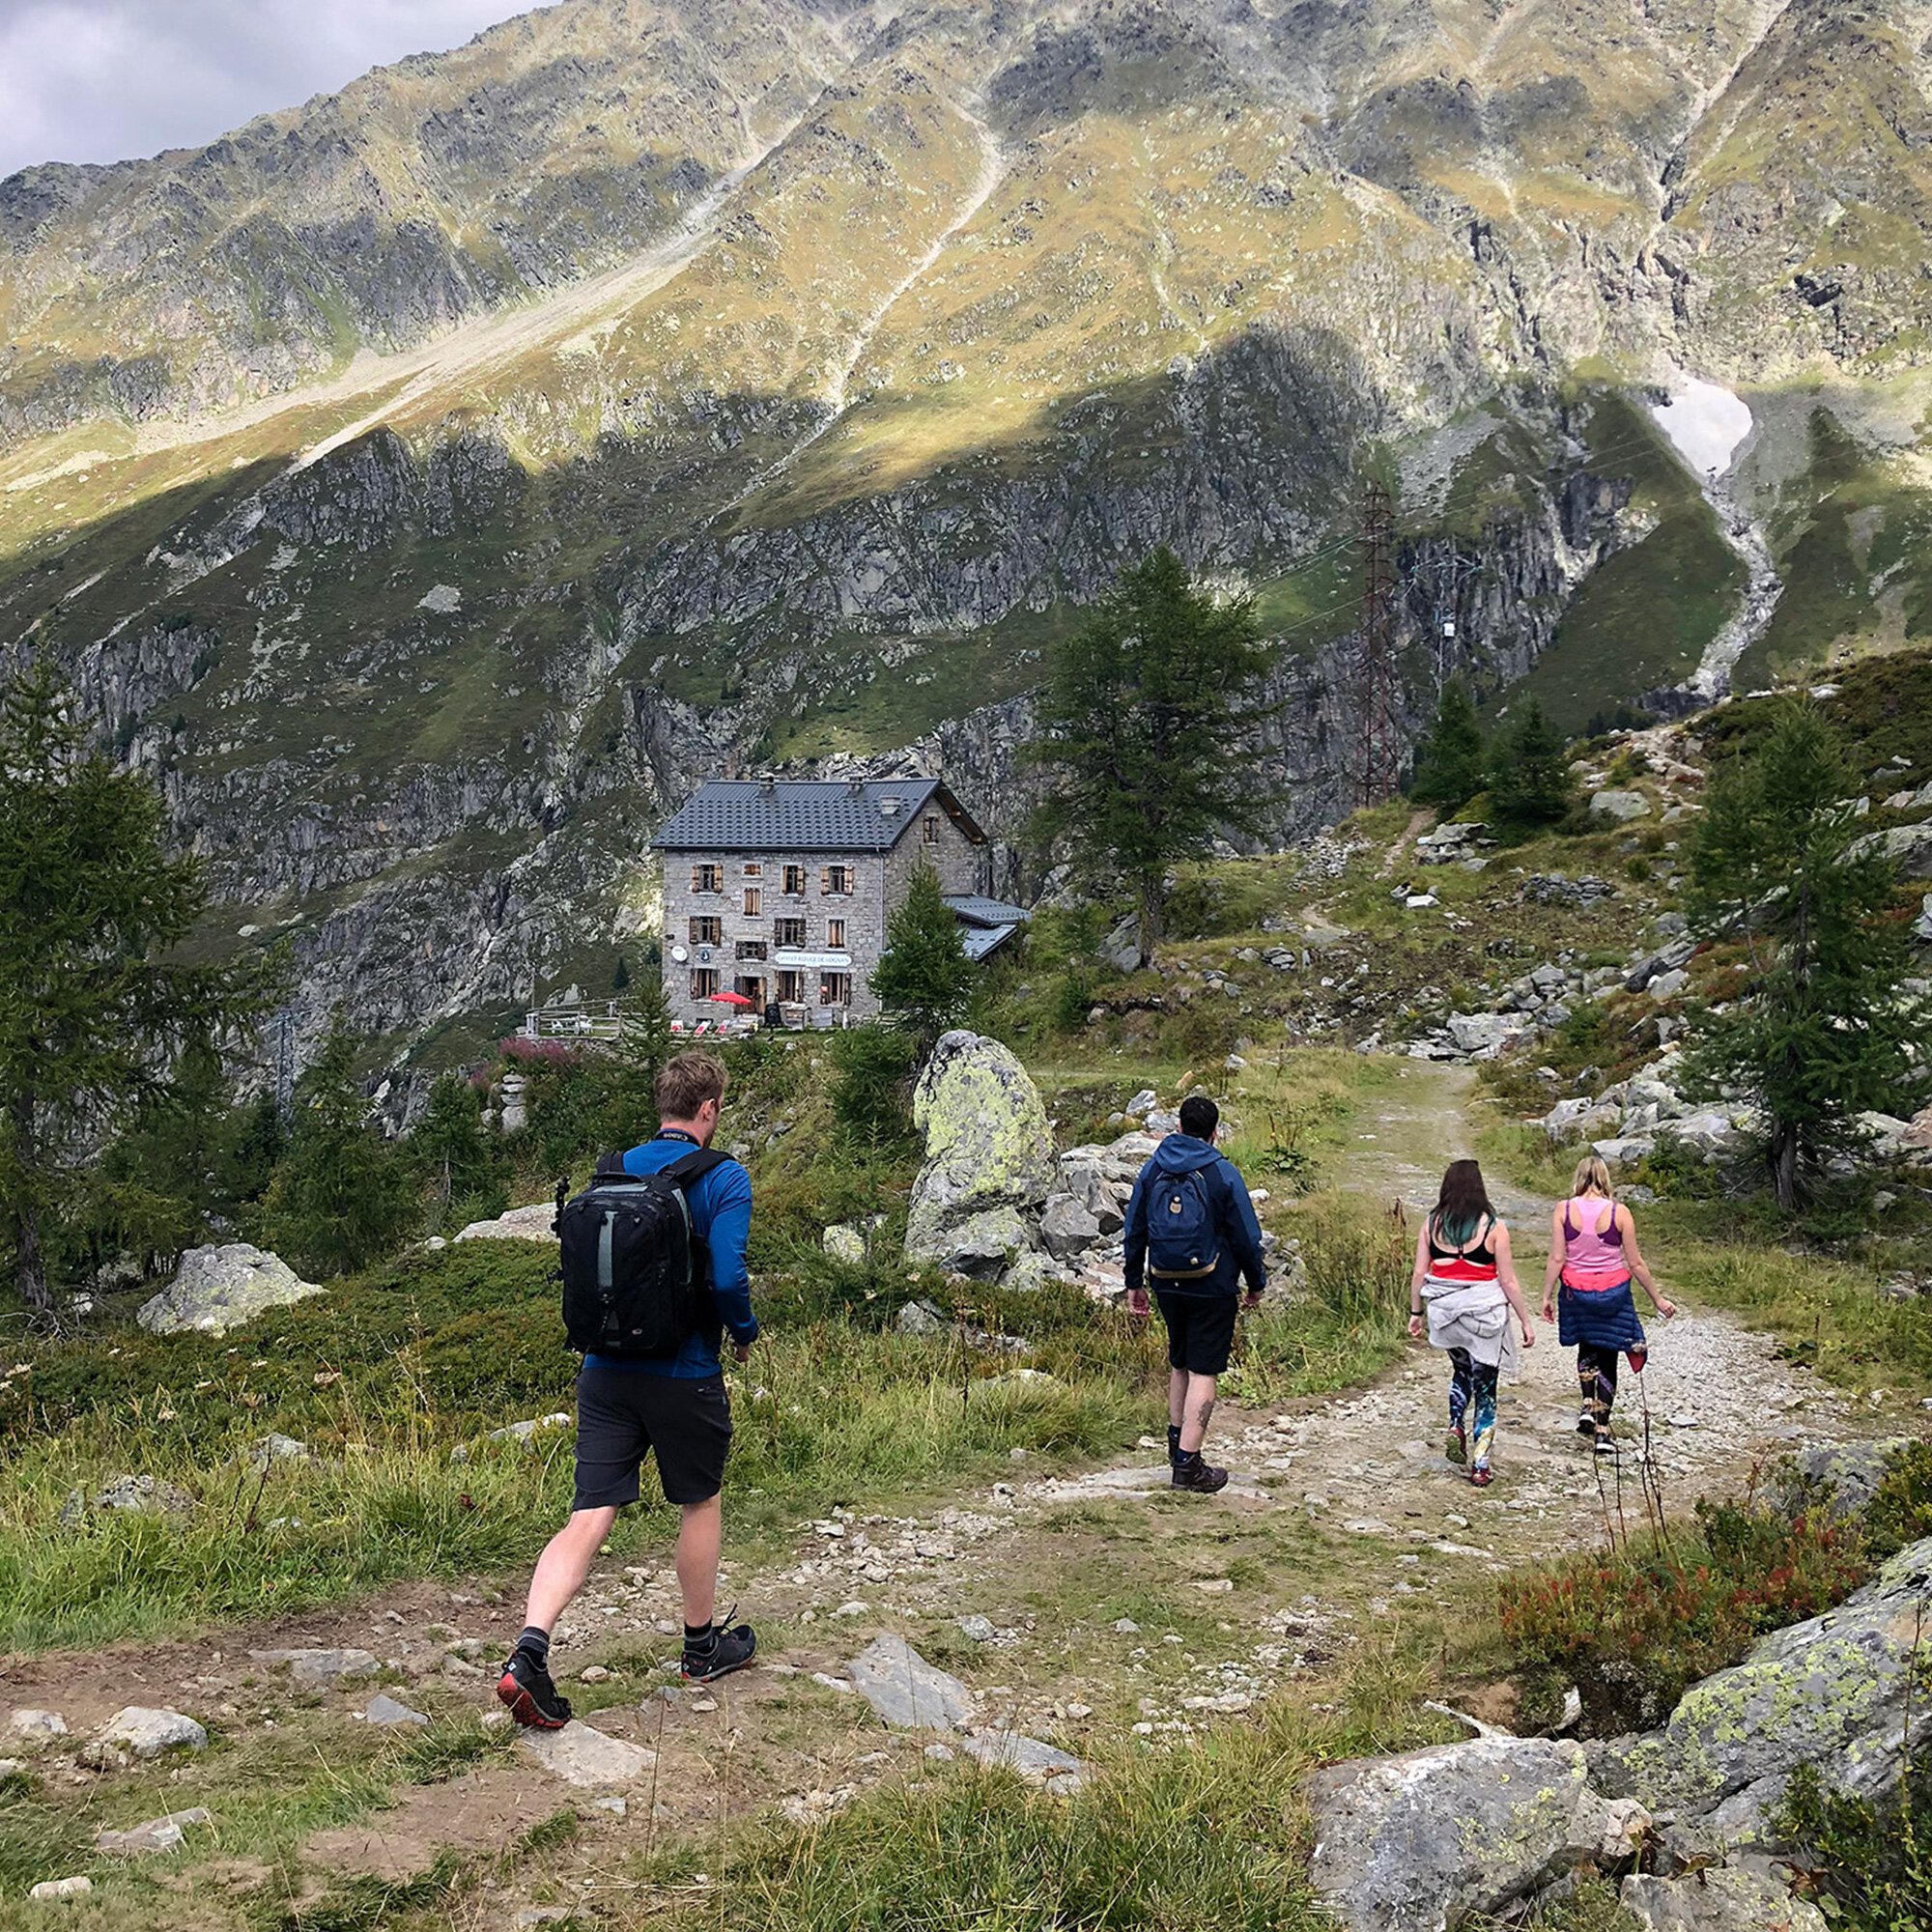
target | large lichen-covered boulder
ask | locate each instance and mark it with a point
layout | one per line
(1419, 1843)
(989, 1156)
(1839, 1693)
(218, 1288)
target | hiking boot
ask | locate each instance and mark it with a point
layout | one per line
(1190, 1472)
(727, 1648)
(1173, 1445)
(531, 1697)
(1607, 1443)
(1586, 1423)
(1456, 1444)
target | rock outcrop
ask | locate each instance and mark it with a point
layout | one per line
(988, 1159)
(218, 1289)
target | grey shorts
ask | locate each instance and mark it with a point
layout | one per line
(625, 1414)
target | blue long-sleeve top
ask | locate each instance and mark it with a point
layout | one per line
(1237, 1233)
(720, 1217)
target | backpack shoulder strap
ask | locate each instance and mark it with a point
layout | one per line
(693, 1166)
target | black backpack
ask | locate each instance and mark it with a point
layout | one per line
(635, 1275)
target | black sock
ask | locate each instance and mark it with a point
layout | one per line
(700, 1637)
(536, 1643)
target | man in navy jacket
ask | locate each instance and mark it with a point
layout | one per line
(1198, 1308)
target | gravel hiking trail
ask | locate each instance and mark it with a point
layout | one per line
(1078, 1607)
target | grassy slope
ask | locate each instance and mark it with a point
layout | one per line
(1643, 620)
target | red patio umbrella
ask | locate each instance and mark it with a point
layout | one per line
(731, 1000)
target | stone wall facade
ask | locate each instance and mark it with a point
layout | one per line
(805, 929)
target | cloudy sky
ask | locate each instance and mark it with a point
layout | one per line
(102, 80)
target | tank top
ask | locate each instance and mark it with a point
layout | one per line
(1458, 1264)
(1592, 1260)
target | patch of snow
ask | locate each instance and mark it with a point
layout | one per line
(1706, 423)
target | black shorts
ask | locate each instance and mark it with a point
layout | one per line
(1200, 1329)
(624, 1414)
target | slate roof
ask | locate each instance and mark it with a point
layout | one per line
(976, 911)
(979, 941)
(804, 815)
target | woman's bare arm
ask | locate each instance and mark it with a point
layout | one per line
(1641, 1268)
(1512, 1287)
(1416, 1279)
(1553, 1266)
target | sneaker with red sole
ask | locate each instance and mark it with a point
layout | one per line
(531, 1699)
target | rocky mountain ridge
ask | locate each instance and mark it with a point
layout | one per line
(430, 484)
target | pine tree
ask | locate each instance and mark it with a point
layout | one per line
(1149, 723)
(620, 976)
(1530, 786)
(341, 1195)
(95, 1006)
(924, 978)
(1452, 762)
(449, 1147)
(1822, 1031)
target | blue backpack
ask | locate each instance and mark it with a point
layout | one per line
(1180, 1228)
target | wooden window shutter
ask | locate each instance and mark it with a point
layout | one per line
(824, 879)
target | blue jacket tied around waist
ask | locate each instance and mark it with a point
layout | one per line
(1237, 1233)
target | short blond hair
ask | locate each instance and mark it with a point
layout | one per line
(1592, 1177)
(685, 1082)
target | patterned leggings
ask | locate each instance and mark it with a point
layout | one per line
(1597, 1378)
(1473, 1384)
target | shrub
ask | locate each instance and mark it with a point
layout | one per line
(1632, 1628)
(1873, 1856)
(872, 1095)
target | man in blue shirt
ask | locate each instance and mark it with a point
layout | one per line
(672, 1406)
(1198, 1306)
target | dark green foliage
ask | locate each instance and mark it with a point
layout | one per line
(1873, 1858)
(342, 1194)
(1452, 762)
(94, 1005)
(1778, 860)
(620, 977)
(1530, 786)
(923, 978)
(871, 1096)
(454, 1155)
(1900, 1511)
(1148, 725)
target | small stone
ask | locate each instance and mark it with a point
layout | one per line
(496, 1721)
(593, 1673)
(38, 1724)
(382, 1709)
(52, 1889)
(1127, 1627)
(704, 1703)
(855, 1608)
(588, 1758)
(979, 1628)
(320, 1668)
(616, 1806)
(1214, 1586)
(941, 1753)
(146, 1733)
(156, 1834)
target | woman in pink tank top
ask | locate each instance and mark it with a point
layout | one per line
(1593, 1248)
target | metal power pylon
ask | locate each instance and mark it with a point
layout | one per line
(1377, 683)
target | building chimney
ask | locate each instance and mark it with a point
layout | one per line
(855, 788)
(768, 786)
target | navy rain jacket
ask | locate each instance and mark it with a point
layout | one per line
(1236, 1232)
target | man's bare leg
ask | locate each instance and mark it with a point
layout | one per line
(1177, 1398)
(699, 1537)
(564, 1565)
(1197, 1409)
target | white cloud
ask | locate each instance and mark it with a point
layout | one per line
(102, 80)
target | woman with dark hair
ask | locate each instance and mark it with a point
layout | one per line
(1465, 1280)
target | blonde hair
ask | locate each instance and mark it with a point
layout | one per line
(1592, 1177)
